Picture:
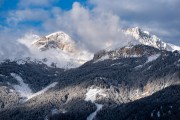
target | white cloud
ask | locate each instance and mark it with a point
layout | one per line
(14, 17)
(135, 5)
(10, 48)
(152, 14)
(92, 28)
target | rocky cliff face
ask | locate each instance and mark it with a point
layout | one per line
(127, 51)
(58, 40)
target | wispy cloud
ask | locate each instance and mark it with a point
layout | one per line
(94, 28)
(152, 14)
(91, 29)
(15, 17)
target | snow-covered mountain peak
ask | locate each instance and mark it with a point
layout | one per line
(58, 48)
(57, 40)
(144, 37)
(135, 32)
(60, 36)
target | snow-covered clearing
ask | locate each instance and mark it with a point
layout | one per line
(93, 92)
(139, 66)
(92, 115)
(21, 62)
(24, 90)
(149, 59)
(152, 58)
(115, 64)
(91, 96)
(43, 90)
(158, 114)
(54, 111)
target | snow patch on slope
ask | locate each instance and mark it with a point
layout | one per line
(42, 91)
(54, 111)
(21, 62)
(93, 92)
(24, 90)
(91, 96)
(152, 58)
(172, 47)
(92, 115)
(116, 64)
(149, 59)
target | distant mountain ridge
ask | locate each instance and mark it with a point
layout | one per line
(60, 49)
(143, 43)
(132, 51)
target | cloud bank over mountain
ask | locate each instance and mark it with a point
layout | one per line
(91, 29)
(159, 17)
(94, 26)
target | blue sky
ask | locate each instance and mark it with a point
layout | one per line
(18, 17)
(7, 6)
(13, 4)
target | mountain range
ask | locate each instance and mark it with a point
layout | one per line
(139, 81)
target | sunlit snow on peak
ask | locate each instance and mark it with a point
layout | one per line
(57, 48)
